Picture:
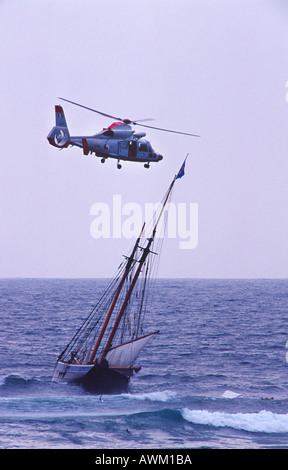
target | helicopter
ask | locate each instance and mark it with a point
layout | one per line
(118, 141)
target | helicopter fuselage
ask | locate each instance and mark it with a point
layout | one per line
(118, 141)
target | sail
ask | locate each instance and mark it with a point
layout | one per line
(125, 354)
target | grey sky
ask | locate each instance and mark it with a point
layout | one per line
(217, 68)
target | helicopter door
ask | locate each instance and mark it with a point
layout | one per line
(123, 149)
(132, 148)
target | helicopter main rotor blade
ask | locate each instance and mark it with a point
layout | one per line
(91, 109)
(128, 121)
(140, 120)
(168, 130)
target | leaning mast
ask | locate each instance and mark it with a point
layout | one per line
(142, 260)
(125, 274)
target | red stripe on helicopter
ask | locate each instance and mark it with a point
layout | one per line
(58, 108)
(85, 146)
(115, 124)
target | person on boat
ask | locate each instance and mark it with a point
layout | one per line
(73, 359)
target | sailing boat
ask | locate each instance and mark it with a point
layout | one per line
(102, 353)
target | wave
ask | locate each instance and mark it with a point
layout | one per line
(15, 381)
(263, 422)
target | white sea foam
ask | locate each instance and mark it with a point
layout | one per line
(264, 421)
(230, 394)
(164, 396)
(2, 379)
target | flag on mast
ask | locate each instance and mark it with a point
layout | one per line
(181, 172)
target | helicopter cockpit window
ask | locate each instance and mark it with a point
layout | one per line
(143, 147)
(152, 153)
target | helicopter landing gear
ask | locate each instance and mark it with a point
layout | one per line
(103, 160)
(119, 166)
(146, 165)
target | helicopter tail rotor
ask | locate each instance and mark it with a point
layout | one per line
(60, 138)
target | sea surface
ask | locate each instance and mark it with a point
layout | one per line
(214, 378)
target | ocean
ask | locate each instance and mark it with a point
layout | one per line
(214, 378)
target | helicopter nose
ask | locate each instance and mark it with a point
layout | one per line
(160, 157)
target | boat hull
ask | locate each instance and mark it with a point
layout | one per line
(103, 380)
(93, 377)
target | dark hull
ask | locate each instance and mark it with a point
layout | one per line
(102, 380)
